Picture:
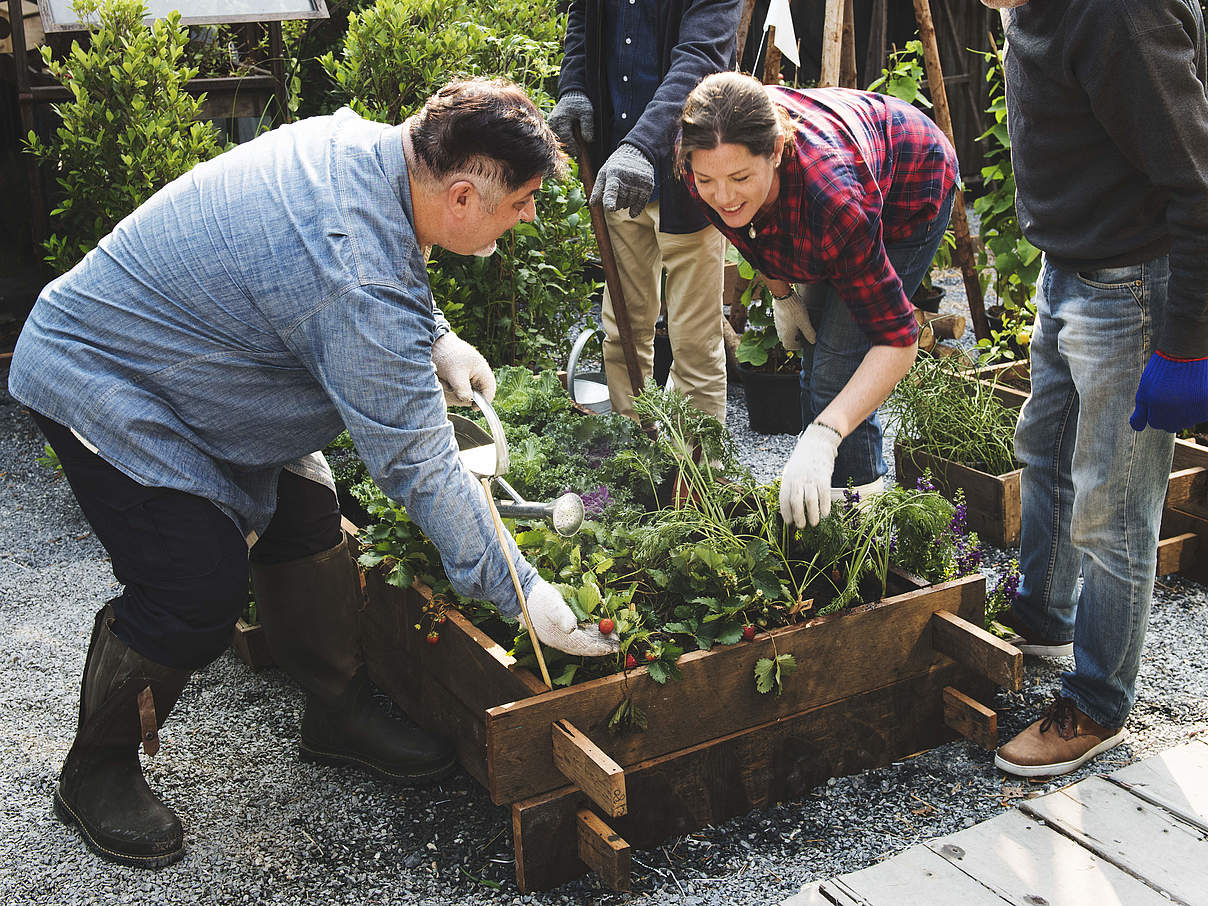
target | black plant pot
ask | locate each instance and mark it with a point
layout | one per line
(773, 401)
(928, 298)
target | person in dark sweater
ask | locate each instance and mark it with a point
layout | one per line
(1109, 137)
(627, 69)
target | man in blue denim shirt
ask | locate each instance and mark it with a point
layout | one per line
(186, 369)
(1109, 142)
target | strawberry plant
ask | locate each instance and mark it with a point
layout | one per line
(713, 566)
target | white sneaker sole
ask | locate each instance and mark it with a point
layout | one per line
(1060, 767)
(1063, 650)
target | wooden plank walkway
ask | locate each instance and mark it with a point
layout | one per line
(1136, 837)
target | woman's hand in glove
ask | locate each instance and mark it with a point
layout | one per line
(805, 486)
(554, 625)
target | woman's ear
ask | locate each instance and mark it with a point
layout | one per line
(778, 150)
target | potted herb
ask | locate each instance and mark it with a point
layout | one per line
(770, 374)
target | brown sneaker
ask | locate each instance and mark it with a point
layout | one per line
(1029, 642)
(1061, 741)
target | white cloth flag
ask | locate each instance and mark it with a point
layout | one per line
(781, 16)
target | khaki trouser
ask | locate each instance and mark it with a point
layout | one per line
(694, 264)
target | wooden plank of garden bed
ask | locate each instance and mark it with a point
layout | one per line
(837, 656)
(1188, 490)
(472, 665)
(719, 778)
(993, 501)
(1193, 555)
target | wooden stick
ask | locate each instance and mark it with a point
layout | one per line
(960, 220)
(507, 555)
(744, 25)
(847, 54)
(612, 277)
(832, 44)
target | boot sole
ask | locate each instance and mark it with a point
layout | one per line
(339, 759)
(65, 814)
(1061, 649)
(1059, 767)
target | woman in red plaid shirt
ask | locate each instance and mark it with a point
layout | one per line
(840, 199)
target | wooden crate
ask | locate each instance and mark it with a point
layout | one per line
(992, 501)
(251, 644)
(873, 685)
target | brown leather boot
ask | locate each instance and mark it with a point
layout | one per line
(309, 608)
(124, 699)
(1061, 741)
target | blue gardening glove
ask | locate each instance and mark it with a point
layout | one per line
(625, 181)
(572, 108)
(1173, 394)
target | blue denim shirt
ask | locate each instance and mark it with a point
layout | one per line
(245, 315)
(631, 69)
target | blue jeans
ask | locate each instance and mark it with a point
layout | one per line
(828, 364)
(1092, 487)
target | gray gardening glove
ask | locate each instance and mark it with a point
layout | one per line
(793, 320)
(461, 370)
(573, 108)
(554, 624)
(625, 181)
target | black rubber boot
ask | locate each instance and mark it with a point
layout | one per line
(309, 608)
(124, 700)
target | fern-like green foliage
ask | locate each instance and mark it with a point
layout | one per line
(129, 129)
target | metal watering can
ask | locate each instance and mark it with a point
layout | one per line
(485, 454)
(588, 389)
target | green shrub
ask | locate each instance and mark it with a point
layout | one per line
(519, 305)
(129, 129)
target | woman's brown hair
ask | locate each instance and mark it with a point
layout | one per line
(729, 108)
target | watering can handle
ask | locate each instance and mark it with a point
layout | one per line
(496, 428)
(572, 364)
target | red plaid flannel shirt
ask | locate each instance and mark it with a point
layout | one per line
(866, 170)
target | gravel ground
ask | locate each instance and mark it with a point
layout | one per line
(263, 828)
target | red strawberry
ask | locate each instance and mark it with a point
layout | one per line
(607, 626)
(651, 656)
(630, 662)
(433, 637)
(748, 632)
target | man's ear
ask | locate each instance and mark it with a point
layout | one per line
(459, 195)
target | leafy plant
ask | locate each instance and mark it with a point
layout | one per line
(760, 346)
(940, 409)
(49, 460)
(704, 565)
(129, 129)
(1014, 262)
(519, 305)
(903, 77)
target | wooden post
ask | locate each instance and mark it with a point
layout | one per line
(602, 850)
(960, 221)
(832, 43)
(744, 28)
(612, 277)
(847, 56)
(771, 59)
(589, 768)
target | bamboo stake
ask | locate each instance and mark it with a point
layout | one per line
(507, 555)
(960, 221)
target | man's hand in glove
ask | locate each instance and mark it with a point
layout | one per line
(793, 324)
(625, 181)
(461, 370)
(554, 625)
(573, 109)
(1173, 394)
(805, 486)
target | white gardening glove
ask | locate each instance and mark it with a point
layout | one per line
(805, 486)
(554, 624)
(461, 369)
(793, 319)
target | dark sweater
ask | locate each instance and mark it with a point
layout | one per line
(1109, 143)
(695, 38)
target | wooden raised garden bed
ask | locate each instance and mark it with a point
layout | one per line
(994, 504)
(874, 684)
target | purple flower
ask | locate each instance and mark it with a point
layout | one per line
(924, 482)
